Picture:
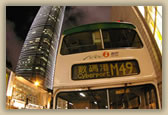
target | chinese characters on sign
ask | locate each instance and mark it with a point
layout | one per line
(104, 70)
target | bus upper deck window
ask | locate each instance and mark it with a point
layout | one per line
(100, 39)
(97, 39)
(119, 38)
(81, 42)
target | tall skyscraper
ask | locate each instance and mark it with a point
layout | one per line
(38, 55)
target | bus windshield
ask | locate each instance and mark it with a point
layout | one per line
(99, 40)
(134, 97)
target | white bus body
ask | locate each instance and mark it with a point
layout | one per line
(63, 81)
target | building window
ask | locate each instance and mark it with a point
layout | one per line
(26, 69)
(30, 42)
(44, 59)
(42, 69)
(52, 17)
(46, 40)
(33, 47)
(37, 40)
(24, 45)
(47, 50)
(48, 32)
(37, 68)
(33, 32)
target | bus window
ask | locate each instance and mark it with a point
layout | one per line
(80, 42)
(91, 41)
(139, 97)
(133, 97)
(118, 38)
(150, 98)
(96, 99)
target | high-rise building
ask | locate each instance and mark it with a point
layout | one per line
(38, 55)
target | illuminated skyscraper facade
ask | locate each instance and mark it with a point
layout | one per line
(37, 59)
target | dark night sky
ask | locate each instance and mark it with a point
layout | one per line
(22, 18)
(19, 20)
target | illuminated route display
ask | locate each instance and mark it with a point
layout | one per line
(105, 70)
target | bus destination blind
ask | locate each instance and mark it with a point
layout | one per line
(105, 70)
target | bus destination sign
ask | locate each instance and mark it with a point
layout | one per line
(105, 69)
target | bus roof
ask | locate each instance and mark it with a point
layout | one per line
(95, 26)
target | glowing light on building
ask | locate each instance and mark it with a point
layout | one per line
(153, 17)
(36, 83)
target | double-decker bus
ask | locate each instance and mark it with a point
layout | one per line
(104, 66)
